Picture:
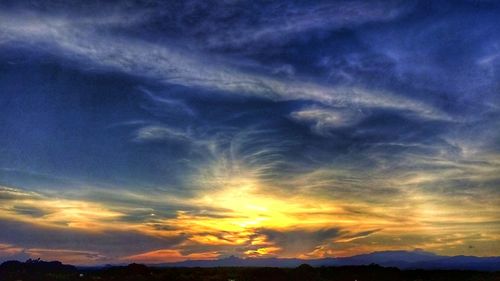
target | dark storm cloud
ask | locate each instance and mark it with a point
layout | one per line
(294, 242)
(299, 241)
(29, 210)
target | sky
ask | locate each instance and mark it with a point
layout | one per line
(159, 131)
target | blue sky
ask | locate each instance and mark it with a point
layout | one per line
(162, 130)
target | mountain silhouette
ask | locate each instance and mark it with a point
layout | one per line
(416, 259)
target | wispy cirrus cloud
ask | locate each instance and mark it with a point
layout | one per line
(158, 133)
(280, 22)
(170, 64)
(324, 119)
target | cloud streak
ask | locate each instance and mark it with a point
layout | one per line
(174, 66)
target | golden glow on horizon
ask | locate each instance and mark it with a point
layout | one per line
(236, 209)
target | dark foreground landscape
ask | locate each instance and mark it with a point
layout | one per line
(40, 270)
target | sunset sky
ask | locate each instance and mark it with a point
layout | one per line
(159, 131)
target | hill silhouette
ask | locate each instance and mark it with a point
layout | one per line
(36, 270)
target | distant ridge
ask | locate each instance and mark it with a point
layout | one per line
(416, 259)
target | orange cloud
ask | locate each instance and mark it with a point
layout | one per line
(9, 250)
(68, 256)
(168, 255)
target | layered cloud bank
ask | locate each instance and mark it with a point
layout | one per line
(158, 132)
